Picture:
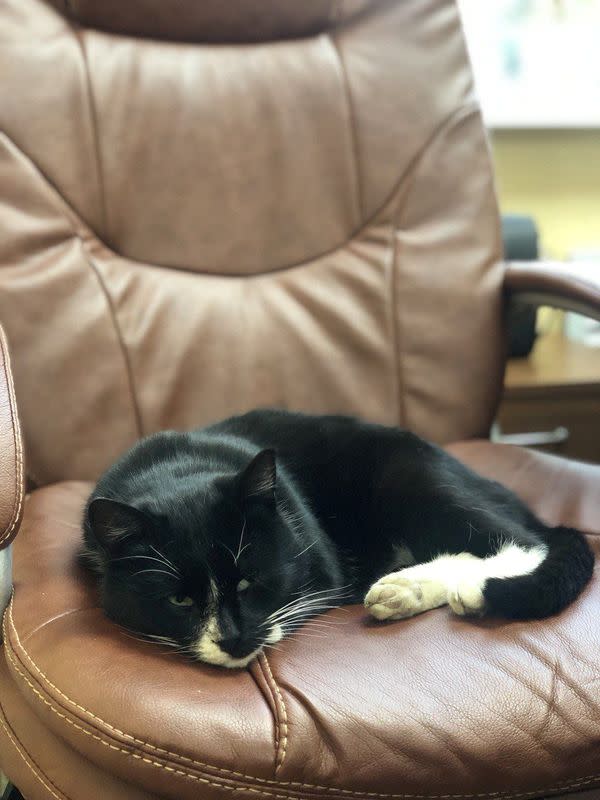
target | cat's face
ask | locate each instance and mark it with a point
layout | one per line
(215, 576)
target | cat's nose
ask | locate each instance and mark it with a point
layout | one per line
(234, 640)
(236, 646)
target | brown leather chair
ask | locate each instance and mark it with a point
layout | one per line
(206, 207)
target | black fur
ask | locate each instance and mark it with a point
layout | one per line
(323, 503)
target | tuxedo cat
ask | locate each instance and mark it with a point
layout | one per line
(221, 541)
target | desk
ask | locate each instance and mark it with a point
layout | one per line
(558, 385)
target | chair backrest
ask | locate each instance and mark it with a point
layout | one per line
(209, 206)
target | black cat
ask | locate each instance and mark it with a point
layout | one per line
(221, 541)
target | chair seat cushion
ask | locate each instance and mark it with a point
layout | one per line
(432, 707)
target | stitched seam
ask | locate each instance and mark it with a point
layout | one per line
(78, 231)
(77, 33)
(352, 120)
(129, 752)
(396, 338)
(497, 256)
(67, 211)
(29, 762)
(9, 617)
(581, 781)
(16, 428)
(281, 718)
(238, 788)
(119, 334)
(275, 715)
(462, 112)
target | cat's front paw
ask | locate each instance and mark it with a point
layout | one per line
(466, 598)
(395, 597)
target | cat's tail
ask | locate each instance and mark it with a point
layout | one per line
(558, 578)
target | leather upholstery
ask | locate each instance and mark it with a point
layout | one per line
(210, 206)
(429, 707)
(41, 764)
(572, 286)
(192, 229)
(12, 483)
(561, 491)
(211, 20)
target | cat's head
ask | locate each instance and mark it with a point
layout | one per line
(215, 570)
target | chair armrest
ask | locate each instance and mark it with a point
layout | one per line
(12, 482)
(569, 285)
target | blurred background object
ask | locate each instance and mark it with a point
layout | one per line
(537, 62)
(537, 70)
(520, 239)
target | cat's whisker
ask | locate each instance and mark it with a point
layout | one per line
(324, 626)
(304, 587)
(328, 628)
(295, 622)
(165, 560)
(135, 638)
(300, 614)
(337, 590)
(272, 647)
(311, 607)
(161, 571)
(163, 639)
(328, 619)
(305, 635)
(229, 550)
(331, 589)
(308, 619)
(321, 594)
(303, 622)
(233, 555)
(240, 550)
(152, 639)
(64, 524)
(306, 549)
(308, 603)
(147, 558)
(305, 596)
(303, 614)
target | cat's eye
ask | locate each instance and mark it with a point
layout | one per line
(181, 600)
(243, 585)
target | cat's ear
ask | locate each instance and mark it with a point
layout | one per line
(258, 480)
(113, 522)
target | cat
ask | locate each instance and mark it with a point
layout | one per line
(221, 541)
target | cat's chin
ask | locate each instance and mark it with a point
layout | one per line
(206, 649)
(221, 659)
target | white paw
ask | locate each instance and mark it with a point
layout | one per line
(466, 598)
(398, 597)
(394, 599)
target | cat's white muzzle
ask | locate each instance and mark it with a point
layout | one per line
(206, 647)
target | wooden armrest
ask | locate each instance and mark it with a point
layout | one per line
(12, 483)
(570, 285)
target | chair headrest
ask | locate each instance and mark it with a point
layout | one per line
(212, 21)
